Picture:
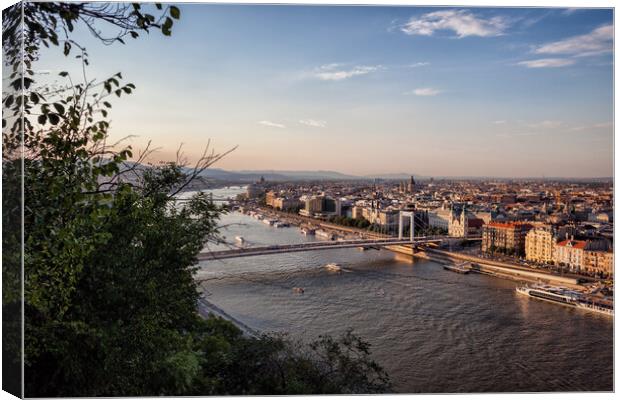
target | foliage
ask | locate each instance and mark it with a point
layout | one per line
(109, 254)
(278, 365)
(361, 223)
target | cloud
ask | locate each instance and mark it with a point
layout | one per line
(599, 41)
(500, 122)
(521, 134)
(547, 63)
(547, 124)
(272, 124)
(462, 22)
(424, 91)
(600, 125)
(313, 122)
(569, 11)
(335, 72)
(603, 125)
(418, 64)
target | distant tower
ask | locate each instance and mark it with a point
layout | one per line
(262, 179)
(411, 185)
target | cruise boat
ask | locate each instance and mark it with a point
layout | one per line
(268, 221)
(569, 298)
(461, 268)
(281, 224)
(307, 231)
(550, 293)
(324, 234)
(598, 306)
(240, 239)
(333, 267)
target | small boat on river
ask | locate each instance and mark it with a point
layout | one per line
(461, 268)
(333, 267)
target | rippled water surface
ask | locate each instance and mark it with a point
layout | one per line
(433, 330)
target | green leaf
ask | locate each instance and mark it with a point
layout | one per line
(42, 119)
(59, 108)
(175, 12)
(54, 119)
(63, 73)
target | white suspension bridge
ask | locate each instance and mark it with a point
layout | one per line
(329, 245)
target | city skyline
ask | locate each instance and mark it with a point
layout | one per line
(506, 92)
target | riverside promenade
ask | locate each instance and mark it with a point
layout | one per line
(503, 269)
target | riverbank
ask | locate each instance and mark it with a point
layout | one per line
(205, 307)
(299, 220)
(500, 269)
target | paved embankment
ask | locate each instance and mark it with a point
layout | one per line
(500, 269)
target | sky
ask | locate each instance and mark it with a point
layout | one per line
(509, 92)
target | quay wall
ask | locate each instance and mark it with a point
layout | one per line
(498, 268)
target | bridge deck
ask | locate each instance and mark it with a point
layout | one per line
(311, 246)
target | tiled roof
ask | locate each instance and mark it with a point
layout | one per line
(575, 244)
(514, 224)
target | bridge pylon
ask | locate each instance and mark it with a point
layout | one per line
(411, 216)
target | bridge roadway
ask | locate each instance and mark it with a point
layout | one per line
(313, 246)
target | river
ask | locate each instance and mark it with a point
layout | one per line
(433, 330)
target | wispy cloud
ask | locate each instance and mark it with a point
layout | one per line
(418, 64)
(603, 125)
(547, 63)
(462, 22)
(547, 124)
(520, 134)
(424, 91)
(313, 122)
(337, 72)
(599, 41)
(499, 122)
(272, 124)
(600, 125)
(569, 11)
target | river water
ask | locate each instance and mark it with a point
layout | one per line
(432, 330)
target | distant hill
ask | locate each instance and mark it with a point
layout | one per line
(273, 175)
(284, 175)
(303, 175)
(397, 176)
